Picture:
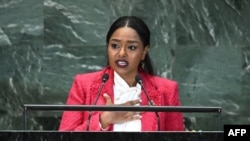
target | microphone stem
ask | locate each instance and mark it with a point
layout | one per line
(151, 103)
(138, 80)
(99, 92)
(91, 112)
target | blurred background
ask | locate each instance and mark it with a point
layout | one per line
(202, 44)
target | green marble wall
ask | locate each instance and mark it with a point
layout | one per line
(202, 44)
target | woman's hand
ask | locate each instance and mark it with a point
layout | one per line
(109, 117)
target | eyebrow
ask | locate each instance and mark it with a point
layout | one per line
(130, 41)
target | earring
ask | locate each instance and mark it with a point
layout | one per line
(142, 64)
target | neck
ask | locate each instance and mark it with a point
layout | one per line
(132, 83)
(130, 80)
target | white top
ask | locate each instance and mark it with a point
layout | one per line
(122, 94)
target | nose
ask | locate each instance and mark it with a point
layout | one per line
(122, 52)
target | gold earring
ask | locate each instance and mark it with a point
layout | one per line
(142, 64)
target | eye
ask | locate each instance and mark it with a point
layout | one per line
(114, 46)
(132, 47)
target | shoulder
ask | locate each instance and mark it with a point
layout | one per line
(164, 88)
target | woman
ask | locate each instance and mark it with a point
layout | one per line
(128, 43)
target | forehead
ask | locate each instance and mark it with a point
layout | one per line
(125, 33)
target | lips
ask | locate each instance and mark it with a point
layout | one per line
(121, 63)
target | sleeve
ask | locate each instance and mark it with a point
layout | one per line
(174, 120)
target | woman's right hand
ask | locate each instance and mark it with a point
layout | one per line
(109, 117)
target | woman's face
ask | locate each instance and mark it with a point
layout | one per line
(125, 51)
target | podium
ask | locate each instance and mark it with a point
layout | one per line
(34, 135)
(183, 109)
(109, 136)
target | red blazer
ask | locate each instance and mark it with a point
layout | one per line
(163, 92)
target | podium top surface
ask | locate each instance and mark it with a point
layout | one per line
(33, 135)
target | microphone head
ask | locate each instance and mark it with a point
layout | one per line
(105, 77)
(138, 79)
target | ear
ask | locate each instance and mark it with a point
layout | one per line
(145, 51)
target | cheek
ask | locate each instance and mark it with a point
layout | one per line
(111, 55)
(137, 59)
(109, 52)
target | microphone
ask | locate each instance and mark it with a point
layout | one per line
(138, 80)
(105, 77)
